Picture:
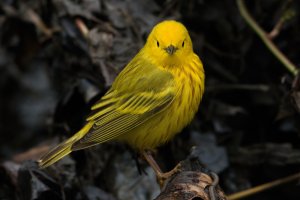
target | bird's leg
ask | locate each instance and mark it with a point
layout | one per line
(161, 176)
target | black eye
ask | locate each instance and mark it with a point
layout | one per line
(157, 43)
(183, 44)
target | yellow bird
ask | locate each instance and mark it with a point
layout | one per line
(154, 97)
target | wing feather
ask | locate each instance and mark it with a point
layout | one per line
(129, 103)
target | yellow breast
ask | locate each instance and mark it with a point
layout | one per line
(165, 125)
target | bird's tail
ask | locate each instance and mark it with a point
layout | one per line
(63, 148)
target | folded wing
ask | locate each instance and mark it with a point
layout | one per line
(139, 93)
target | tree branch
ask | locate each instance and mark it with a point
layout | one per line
(266, 40)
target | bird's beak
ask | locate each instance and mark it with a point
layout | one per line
(171, 49)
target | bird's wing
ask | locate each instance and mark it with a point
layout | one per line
(139, 92)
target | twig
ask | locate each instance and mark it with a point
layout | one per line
(266, 40)
(287, 14)
(276, 30)
(225, 87)
(263, 187)
(38, 22)
(31, 154)
(82, 27)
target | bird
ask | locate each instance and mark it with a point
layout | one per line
(152, 99)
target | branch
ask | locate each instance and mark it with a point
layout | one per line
(192, 182)
(266, 40)
(287, 15)
(263, 187)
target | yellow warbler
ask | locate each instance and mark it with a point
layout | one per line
(155, 96)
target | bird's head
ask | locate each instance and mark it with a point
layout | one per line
(169, 43)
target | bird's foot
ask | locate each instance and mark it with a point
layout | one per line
(160, 176)
(163, 176)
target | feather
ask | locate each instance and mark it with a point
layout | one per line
(126, 111)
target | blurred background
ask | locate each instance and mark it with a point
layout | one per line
(57, 57)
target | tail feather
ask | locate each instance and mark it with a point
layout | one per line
(55, 154)
(63, 148)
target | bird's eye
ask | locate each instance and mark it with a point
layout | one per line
(182, 44)
(157, 43)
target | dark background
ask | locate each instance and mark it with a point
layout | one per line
(51, 71)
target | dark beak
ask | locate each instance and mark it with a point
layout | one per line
(171, 49)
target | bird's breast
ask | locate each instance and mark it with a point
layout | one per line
(189, 83)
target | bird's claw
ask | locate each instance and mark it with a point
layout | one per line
(163, 176)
